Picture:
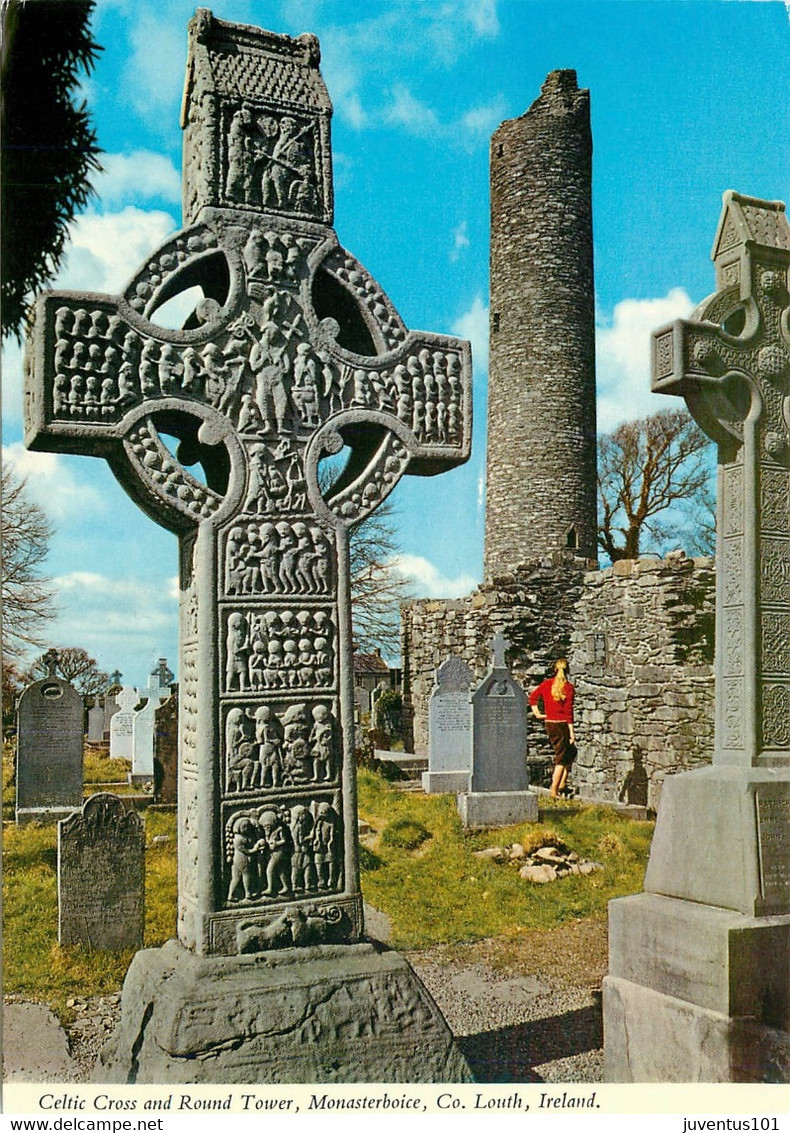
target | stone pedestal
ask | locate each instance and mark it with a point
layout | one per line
(699, 964)
(444, 782)
(325, 1014)
(497, 808)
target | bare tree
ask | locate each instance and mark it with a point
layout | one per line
(377, 589)
(654, 487)
(28, 601)
(77, 666)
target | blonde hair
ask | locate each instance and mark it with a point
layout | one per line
(560, 680)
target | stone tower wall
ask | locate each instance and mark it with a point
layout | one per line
(541, 462)
(639, 637)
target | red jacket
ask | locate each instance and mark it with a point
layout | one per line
(554, 709)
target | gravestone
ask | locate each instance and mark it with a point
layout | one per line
(699, 962)
(101, 876)
(449, 729)
(49, 747)
(166, 751)
(498, 792)
(122, 724)
(111, 705)
(144, 725)
(294, 353)
(96, 717)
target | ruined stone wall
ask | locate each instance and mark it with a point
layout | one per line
(639, 637)
(541, 456)
(533, 607)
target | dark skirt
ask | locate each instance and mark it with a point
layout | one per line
(559, 734)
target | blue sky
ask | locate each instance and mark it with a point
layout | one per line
(688, 98)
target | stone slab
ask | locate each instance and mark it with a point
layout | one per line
(49, 749)
(499, 729)
(713, 958)
(445, 782)
(35, 1046)
(450, 717)
(325, 1014)
(101, 876)
(745, 809)
(651, 1037)
(497, 808)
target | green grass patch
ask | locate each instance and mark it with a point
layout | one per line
(34, 964)
(439, 893)
(97, 767)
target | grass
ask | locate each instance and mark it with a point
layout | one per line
(34, 964)
(418, 868)
(439, 893)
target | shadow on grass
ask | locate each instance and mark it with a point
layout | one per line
(512, 1053)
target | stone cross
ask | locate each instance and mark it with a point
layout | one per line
(499, 645)
(731, 363)
(292, 353)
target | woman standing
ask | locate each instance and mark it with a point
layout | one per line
(557, 715)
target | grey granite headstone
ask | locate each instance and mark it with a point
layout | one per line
(449, 729)
(166, 751)
(49, 747)
(698, 964)
(111, 706)
(101, 876)
(295, 352)
(96, 717)
(498, 792)
(122, 724)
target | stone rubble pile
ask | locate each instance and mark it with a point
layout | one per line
(546, 863)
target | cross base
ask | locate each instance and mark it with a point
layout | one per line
(480, 809)
(672, 1014)
(323, 1014)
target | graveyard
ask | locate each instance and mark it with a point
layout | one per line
(280, 899)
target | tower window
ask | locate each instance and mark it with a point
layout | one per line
(572, 538)
(500, 150)
(495, 321)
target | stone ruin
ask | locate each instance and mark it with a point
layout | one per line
(293, 353)
(631, 632)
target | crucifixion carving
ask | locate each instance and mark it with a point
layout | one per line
(291, 352)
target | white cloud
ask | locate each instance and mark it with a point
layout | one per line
(140, 175)
(473, 324)
(413, 116)
(623, 356)
(483, 120)
(51, 484)
(154, 76)
(460, 240)
(429, 582)
(106, 249)
(121, 622)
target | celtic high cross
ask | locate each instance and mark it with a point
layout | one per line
(731, 363)
(292, 352)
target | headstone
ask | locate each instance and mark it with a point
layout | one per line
(698, 963)
(49, 747)
(449, 729)
(498, 792)
(144, 724)
(111, 705)
(101, 876)
(362, 699)
(96, 716)
(294, 352)
(166, 751)
(122, 724)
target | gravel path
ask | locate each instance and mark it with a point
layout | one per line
(518, 1011)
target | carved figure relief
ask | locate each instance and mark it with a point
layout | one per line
(271, 161)
(278, 558)
(268, 747)
(276, 852)
(280, 649)
(276, 480)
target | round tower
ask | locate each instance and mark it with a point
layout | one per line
(541, 462)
